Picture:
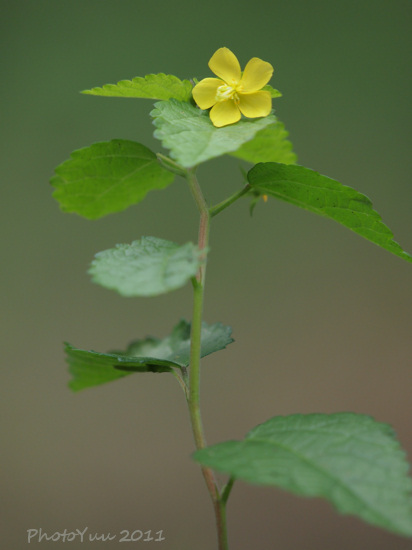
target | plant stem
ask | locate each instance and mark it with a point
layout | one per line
(195, 353)
(227, 202)
(226, 490)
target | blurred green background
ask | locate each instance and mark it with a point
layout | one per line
(321, 318)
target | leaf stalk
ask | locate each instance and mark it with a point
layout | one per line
(214, 210)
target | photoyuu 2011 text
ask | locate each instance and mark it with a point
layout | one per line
(85, 535)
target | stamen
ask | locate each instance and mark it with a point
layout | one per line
(226, 92)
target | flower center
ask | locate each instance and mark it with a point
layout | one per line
(226, 92)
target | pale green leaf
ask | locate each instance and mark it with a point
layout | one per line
(324, 196)
(268, 145)
(273, 92)
(152, 86)
(107, 177)
(146, 267)
(91, 368)
(176, 347)
(350, 459)
(191, 137)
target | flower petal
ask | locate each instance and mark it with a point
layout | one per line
(257, 74)
(224, 113)
(225, 65)
(255, 105)
(204, 93)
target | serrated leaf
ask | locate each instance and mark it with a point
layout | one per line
(152, 86)
(107, 177)
(176, 347)
(327, 197)
(268, 145)
(147, 267)
(349, 459)
(91, 368)
(273, 92)
(191, 137)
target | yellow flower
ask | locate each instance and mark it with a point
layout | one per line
(234, 93)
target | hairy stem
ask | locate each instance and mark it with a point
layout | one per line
(195, 353)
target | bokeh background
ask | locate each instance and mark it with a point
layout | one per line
(321, 318)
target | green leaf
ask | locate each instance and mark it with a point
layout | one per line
(90, 368)
(176, 347)
(324, 196)
(153, 86)
(268, 145)
(191, 137)
(349, 459)
(147, 267)
(107, 177)
(274, 93)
